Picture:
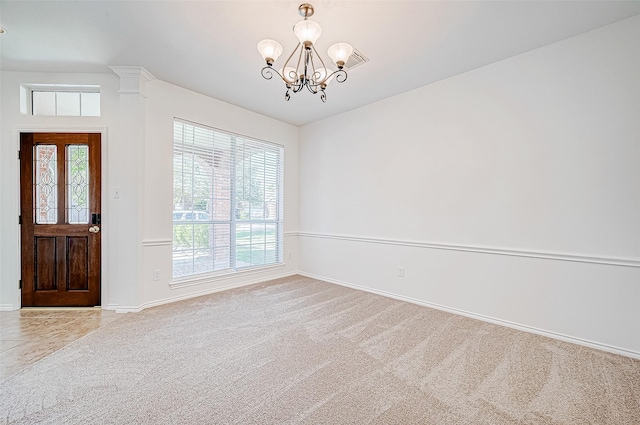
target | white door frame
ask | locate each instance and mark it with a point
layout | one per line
(104, 263)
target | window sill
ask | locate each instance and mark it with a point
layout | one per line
(223, 275)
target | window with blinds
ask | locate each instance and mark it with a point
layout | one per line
(227, 201)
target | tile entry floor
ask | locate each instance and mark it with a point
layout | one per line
(30, 334)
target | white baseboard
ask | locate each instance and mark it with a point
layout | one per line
(136, 309)
(216, 277)
(9, 307)
(525, 328)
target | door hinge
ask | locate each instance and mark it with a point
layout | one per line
(19, 155)
(20, 284)
(19, 219)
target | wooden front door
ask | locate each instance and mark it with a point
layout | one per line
(60, 219)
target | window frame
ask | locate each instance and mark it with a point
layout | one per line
(27, 91)
(234, 267)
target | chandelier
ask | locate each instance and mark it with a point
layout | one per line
(310, 70)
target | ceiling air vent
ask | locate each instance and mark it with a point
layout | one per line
(355, 59)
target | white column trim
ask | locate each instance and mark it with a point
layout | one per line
(133, 79)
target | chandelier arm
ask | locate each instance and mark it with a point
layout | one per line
(292, 76)
(341, 75)
(323, 96)
(291, 55)
(300, 77)
(313, 88)
(297, 86)
(305, 72)
(323, 65)
(295, 79)
(268, 71)
(312, 76)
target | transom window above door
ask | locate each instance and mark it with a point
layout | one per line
(60, 100)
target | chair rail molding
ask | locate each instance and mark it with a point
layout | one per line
(547, 255)
(156, 242)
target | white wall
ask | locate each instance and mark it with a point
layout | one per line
(136, 226)
(508, 192)
(12, 122)
(164, 102)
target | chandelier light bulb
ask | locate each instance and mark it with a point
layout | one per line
(339, 53)
(308, 32)
(270, 50)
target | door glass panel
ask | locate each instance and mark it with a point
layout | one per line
(77, 157)
(46, 184)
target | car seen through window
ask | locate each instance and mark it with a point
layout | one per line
(190, 216)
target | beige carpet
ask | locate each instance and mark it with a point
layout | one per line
(301, 351)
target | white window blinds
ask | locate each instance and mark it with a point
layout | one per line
(227, 201)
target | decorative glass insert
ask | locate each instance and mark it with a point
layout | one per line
(77, 184)
(45, 184)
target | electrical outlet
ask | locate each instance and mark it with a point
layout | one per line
(116, 193)
(156, 275)
(400, 271)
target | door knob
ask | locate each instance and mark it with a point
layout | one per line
(94, 229)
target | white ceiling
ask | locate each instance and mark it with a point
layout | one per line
(210, 46)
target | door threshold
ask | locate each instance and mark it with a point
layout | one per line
(62, 308)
